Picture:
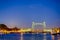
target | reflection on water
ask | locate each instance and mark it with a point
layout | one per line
(10, 37)
(40, 36)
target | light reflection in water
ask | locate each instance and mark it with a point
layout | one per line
(40, 36)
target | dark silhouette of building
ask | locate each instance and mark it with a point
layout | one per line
(15, 28)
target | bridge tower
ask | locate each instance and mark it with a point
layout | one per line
(34, 24)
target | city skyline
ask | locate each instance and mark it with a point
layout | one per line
(22, 13)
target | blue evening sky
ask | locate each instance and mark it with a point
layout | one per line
(21, 13)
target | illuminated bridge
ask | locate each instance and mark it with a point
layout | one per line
(32, 30)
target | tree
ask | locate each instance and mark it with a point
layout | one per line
(3, 26)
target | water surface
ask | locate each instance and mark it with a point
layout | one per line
(29, 36)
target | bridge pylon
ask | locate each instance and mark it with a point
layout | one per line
(43, 24)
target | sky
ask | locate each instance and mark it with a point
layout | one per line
(22, 13)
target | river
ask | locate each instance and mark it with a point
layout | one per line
(29, 36)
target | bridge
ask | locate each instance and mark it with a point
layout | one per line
(45, 29)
